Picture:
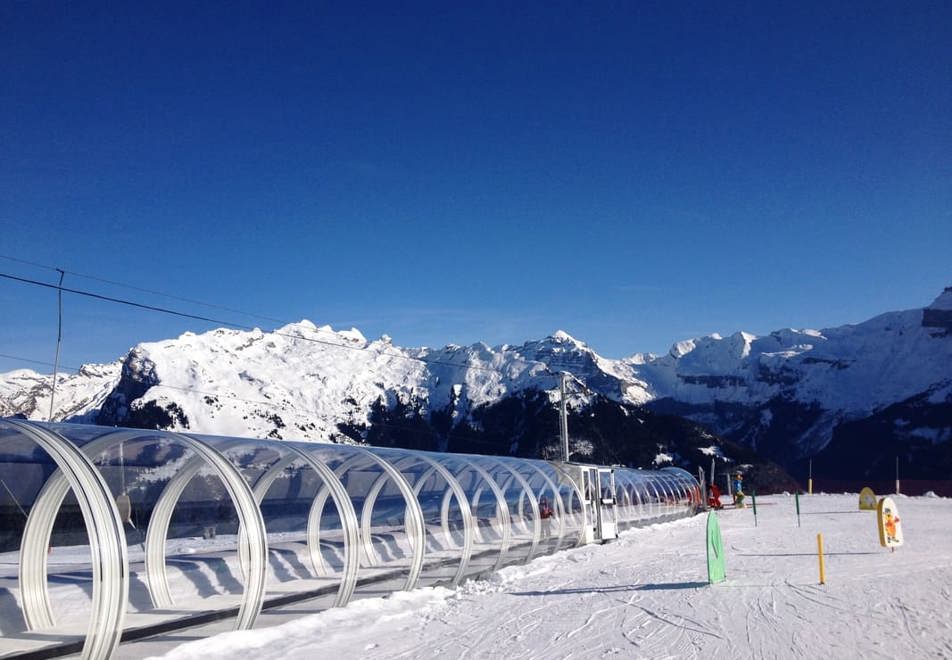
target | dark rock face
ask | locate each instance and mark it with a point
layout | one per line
(937, 318)
(917, 431)
(138, 375)
(605, 432)
(123, 406)
(153, 416)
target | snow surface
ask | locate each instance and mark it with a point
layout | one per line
(645, 596)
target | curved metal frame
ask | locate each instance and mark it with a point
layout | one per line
(502, 508)
(345, 510)
(107, 545)
(253, 542)
(456, 490)
(413, 514)
(641, 497)
(526, 490)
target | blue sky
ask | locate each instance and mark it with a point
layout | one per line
(632, 173)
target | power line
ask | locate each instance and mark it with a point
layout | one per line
(155, 308)
(239, 326)
(153, 292)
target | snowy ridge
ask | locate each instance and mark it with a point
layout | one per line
(855, 368)
(299, 382)
(78, 396)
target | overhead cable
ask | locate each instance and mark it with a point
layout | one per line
(239, 326)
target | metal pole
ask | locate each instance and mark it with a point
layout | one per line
(703, 485)
(564, 417)
(59, 340)
(810, 479)
(897, 475)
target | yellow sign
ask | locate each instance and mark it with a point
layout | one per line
(867, 499)
(890, 527)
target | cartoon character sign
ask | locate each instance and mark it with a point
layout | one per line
(867, 499)
(890, 525)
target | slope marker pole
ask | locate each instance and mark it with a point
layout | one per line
(819, 548)
(753, 504)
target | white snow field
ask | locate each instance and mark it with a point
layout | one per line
(646, 596)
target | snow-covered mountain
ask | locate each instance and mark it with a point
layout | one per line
(789, 394)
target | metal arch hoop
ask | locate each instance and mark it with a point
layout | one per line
(345, 508)
(556, 495)
(577, 493)
(413, 517)
(253, 557)
(456, 489)
(38, 612)
(37, 532)
(654, 504)
(348, 516)
(623, 483)
(316, 513)
(502, 507)
(672, 489)
(623, 503)
(536, 523)
(637, 495)
(689, 486)
(448, 495)
(107, 544)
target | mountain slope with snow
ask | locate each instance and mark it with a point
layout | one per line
(789, 394)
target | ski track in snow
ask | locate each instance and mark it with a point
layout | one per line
(645, 596)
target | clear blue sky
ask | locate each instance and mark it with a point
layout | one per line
(634, 173)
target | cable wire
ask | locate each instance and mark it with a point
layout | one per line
(153, 292)
(239, 326)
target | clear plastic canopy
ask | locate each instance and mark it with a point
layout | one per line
(113, 534)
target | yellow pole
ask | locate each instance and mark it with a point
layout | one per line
(809, 486)
(819, 546)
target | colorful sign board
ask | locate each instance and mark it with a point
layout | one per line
(716, 567)
(890, 526)
(867, 499)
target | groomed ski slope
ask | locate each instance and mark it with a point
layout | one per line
(645, 596)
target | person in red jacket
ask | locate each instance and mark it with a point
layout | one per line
(546, 513)
(714, 497)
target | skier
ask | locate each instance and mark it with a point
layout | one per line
(714, 497)
(546, 513)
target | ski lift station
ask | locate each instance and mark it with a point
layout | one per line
(115, 539)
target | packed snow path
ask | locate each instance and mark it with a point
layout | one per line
(646, 596)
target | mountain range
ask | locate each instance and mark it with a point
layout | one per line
(851, 397)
